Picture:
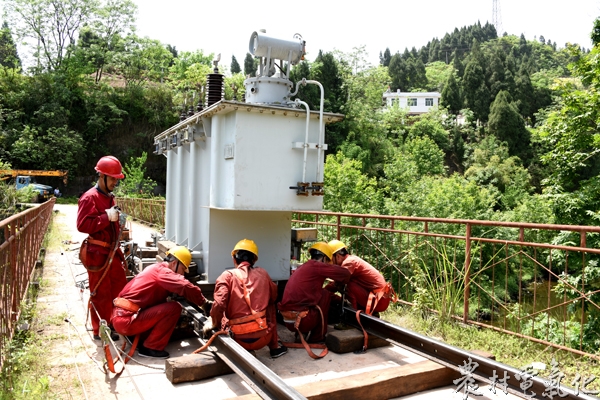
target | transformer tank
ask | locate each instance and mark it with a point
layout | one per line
(237, 170)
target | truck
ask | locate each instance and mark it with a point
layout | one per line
(24, 178)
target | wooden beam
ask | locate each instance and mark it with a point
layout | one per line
(348, 340)
(386, 383)
(195, 367)
(380, 384)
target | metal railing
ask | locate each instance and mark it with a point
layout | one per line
(151, 211)
(21, 237)
(529, 280)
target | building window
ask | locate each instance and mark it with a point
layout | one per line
(412, 102)
(429, 102)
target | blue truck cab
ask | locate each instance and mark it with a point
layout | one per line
(43, 191)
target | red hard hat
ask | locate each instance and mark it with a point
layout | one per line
(109, 165)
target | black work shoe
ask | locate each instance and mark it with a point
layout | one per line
(130, 339)
(146, 352)
(275, 353)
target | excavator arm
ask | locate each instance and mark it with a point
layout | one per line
(13, 173)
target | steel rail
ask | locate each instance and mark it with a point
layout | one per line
(454, 357)
(263, 381)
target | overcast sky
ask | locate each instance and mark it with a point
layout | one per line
(226, 26)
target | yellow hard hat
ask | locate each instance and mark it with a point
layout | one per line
(246, 244)
(182, 254)
(323, 247)
(336, 246)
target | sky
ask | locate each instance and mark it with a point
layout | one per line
(226, 26)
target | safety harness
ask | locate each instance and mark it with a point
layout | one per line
(386, 291)
(295, 317)
(254, 324)
(251, 326)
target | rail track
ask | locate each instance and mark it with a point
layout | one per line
(269, 385)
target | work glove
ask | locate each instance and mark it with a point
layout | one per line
(207, 328)
(113, 213)
(206, 307)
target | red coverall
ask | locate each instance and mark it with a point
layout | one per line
(305, 290)
(364, 279)
(92, 219)
(156, 318)
(229, 303)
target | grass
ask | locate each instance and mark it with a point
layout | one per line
(25, 372)
(67, 200)
(508, 349)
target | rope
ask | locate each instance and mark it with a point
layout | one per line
(76, 364)
(205, 346)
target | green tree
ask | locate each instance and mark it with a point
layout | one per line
(572, 142)
(8, 49)
(430, 125)
(507, 125)
(235, 66)
(426, 154)
(476, 94)
(347, 189)
(103, 37)
(451, 98)
(384, 60)
(136, 183)
(52, 26)
(57, 148)
(437, 74)
(491, 165)
(250, 65)
(397, 72)
(595, 35)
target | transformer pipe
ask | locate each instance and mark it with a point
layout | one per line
(305, 145)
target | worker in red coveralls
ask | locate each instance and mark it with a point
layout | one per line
(304, 292)
(244, 302)
(98, 217)
(367, 289)
(142, 307)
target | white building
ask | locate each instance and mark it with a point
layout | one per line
(415, 103)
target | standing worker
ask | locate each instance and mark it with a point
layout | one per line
(367, 289)
(244, 302)
(100, 253)
(142, 307)
(305, 304)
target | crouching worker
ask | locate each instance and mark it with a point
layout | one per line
(367, 289)
(142, 307)
(244, 302)
(305, 303)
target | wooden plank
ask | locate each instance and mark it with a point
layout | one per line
(195, 367)
(349, 340)
(380, 384)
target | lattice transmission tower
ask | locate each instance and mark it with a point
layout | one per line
(497, 17)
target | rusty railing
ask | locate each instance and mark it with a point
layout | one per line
(528, 280)
(151, 211)
(21, 239)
